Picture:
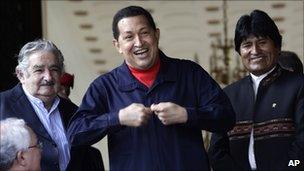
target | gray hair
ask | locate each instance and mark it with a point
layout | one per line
(15, 137)
(40, 45)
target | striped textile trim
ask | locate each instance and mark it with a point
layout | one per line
(282, 127)
(241, 130)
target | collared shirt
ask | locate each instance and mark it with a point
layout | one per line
(255, 83)
(51, 120)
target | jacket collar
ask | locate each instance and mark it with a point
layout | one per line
(127, 82)
(271, 77)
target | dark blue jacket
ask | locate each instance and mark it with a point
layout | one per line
(153, 146)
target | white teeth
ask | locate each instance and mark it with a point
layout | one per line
(140, 51)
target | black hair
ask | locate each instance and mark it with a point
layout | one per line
(130, 11)
(259, 24)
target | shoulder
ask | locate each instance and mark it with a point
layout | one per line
(184, 66)
(13, 93)
(238, 85)
(292, 76)
(108, 77)
(185, 63)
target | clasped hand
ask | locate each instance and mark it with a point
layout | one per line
(137, 114)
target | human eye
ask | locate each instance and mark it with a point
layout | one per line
(145, 32)
(37, 70)
(262, 41)
(128, 37)
(55, 69)
(245, 45)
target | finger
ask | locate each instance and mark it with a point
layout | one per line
(157, 107)
(153, 107)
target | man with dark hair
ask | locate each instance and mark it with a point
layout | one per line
(290, 61)
(269, 130)
(152, 107)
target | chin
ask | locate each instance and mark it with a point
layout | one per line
(48, 94)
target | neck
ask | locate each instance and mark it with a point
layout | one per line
(147, 77)
(47, 102)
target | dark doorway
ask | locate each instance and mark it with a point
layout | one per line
(21, 22)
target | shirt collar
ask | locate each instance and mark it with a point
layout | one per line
(36, 101)
(257, 79)
(260, 77)
(127, 82)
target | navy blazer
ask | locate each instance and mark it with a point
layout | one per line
(14, 103)
(153, 146)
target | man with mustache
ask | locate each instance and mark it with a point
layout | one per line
(34, 99)
(269, 105)
(152, 107)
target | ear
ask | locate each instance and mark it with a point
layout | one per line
(117, 45)
(157, 34)
(21, 158)
(20, 75)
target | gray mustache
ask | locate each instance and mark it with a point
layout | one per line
(48, 83)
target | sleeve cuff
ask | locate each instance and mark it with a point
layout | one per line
(192, 116)
(113, 119)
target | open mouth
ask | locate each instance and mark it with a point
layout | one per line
(141, 51)
(256, 58)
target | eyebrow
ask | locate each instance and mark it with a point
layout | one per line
(127, 32)
(130, 32)
(41, 66)
(37, 66)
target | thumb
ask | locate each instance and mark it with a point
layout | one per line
(154, 107)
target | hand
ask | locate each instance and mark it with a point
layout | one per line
(134, 115)
(169, 113)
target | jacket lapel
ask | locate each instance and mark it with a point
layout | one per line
(24, 108)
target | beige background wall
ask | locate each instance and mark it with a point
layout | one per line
(82, 30)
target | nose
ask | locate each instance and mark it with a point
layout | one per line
(47, 75)
(138, 41)
(255, 49)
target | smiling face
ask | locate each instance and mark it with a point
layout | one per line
(41, 78)
(259, 54)
(137, 42)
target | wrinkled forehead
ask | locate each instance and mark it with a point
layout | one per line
(43, 58)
